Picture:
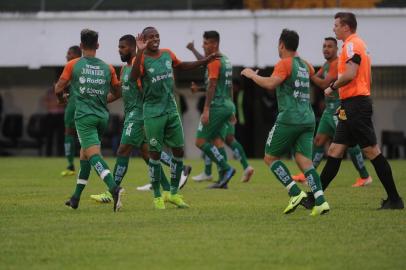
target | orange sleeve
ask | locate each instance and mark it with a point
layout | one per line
(114, 80)
(68, 70)
(283, 68)
(175, 60)
(320, 72)
(214, 69)
(333, 71)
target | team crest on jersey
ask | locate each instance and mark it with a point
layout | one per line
(82, 79)
(168, 64)
(151, 70)
(153, 142)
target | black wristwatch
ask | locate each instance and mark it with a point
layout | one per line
(332, 86)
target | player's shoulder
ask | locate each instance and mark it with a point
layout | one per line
(166, 50)
(73, 61)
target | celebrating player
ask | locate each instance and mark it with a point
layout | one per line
(162, 122)
(91, 80)
(295, 122)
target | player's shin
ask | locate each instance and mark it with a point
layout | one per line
(103, 171)
(155, 170)
(282, 173)
(176, 172)
(313, 180)
(120, 169)
(83, 177)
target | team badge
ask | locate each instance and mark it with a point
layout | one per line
(342, 115)
(153, 142)
(168, 64)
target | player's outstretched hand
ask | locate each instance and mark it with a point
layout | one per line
(141, 42)
(194, 87)
(191, 45)
(249, 72)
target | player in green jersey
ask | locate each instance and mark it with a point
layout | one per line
(69, 120)
(93, 83)
(212, 41)
(162, 123)
(328, 122)
(294, 126)
(133, 136)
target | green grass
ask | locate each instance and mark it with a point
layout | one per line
(239, 228)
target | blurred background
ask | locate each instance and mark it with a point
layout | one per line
(35, 35)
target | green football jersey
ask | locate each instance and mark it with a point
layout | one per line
(90, 82)
(333, 102)
(222, 95)
(293, 96)
(132, 96)
(158, 84)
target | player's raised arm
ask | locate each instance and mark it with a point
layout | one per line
(191, 46)
(142, 44)
(269, 83)
(64, 80)
(115, 90)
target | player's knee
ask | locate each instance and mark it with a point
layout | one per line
(229, 140)
(124, 150)
(269, 160)
(336, 150)
(178, 152)
(199, 143)
(371, 152)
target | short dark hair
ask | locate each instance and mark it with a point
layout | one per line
(290, 39)
(89, 39)
(214, 35)
(76, 50)
(347, 18)
(128, 38)
(148, 28)
(331, 39)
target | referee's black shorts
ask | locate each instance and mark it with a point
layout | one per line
(355, 124)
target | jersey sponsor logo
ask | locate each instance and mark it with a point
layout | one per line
(90, 91)
(299, 83)
(82, 79)
(82, 89)
(162, 77)
(350, 49)
(92, 70)
(298, 94)
(302, 73)
(95, 81)
(151, 70)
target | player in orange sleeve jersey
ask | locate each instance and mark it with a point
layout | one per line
(355, 115)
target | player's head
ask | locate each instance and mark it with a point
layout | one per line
(211, 42)
(345, 24)
(288, 41)
(330, 48)
(126, 47)
(89, 39)
(73, 52)
(151, 34)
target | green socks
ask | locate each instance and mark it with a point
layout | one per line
(318, 153)
(207, 165)
(239, 153)
(283, 175)
(358, 161)
(70, 149)
(155, 170)
(83, 176)
(214, 154)
(164, 181)
(120, 169)
(103, 171)
(176, 171)
(313, 180)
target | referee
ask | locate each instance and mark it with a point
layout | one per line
(355, 124)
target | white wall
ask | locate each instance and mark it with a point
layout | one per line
(41, 39)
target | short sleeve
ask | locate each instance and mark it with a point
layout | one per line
(283, 68)
(352, 49)
(333, 70)
(68, 70)
(214, 69)
(114, 80)
(311, 68)
(320, 72)
(175, 60)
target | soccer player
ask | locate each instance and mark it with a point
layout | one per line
(91, 80)
(230, 140)
(328, 122)
(295, 123)
(162, 124)
(133, 130)
(355, 124)
(69, 119)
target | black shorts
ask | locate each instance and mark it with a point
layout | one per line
(355, 123)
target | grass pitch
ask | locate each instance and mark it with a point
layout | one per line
(239, 228)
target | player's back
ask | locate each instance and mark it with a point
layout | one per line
(293, 94)
(91, 80)
(132, 96)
